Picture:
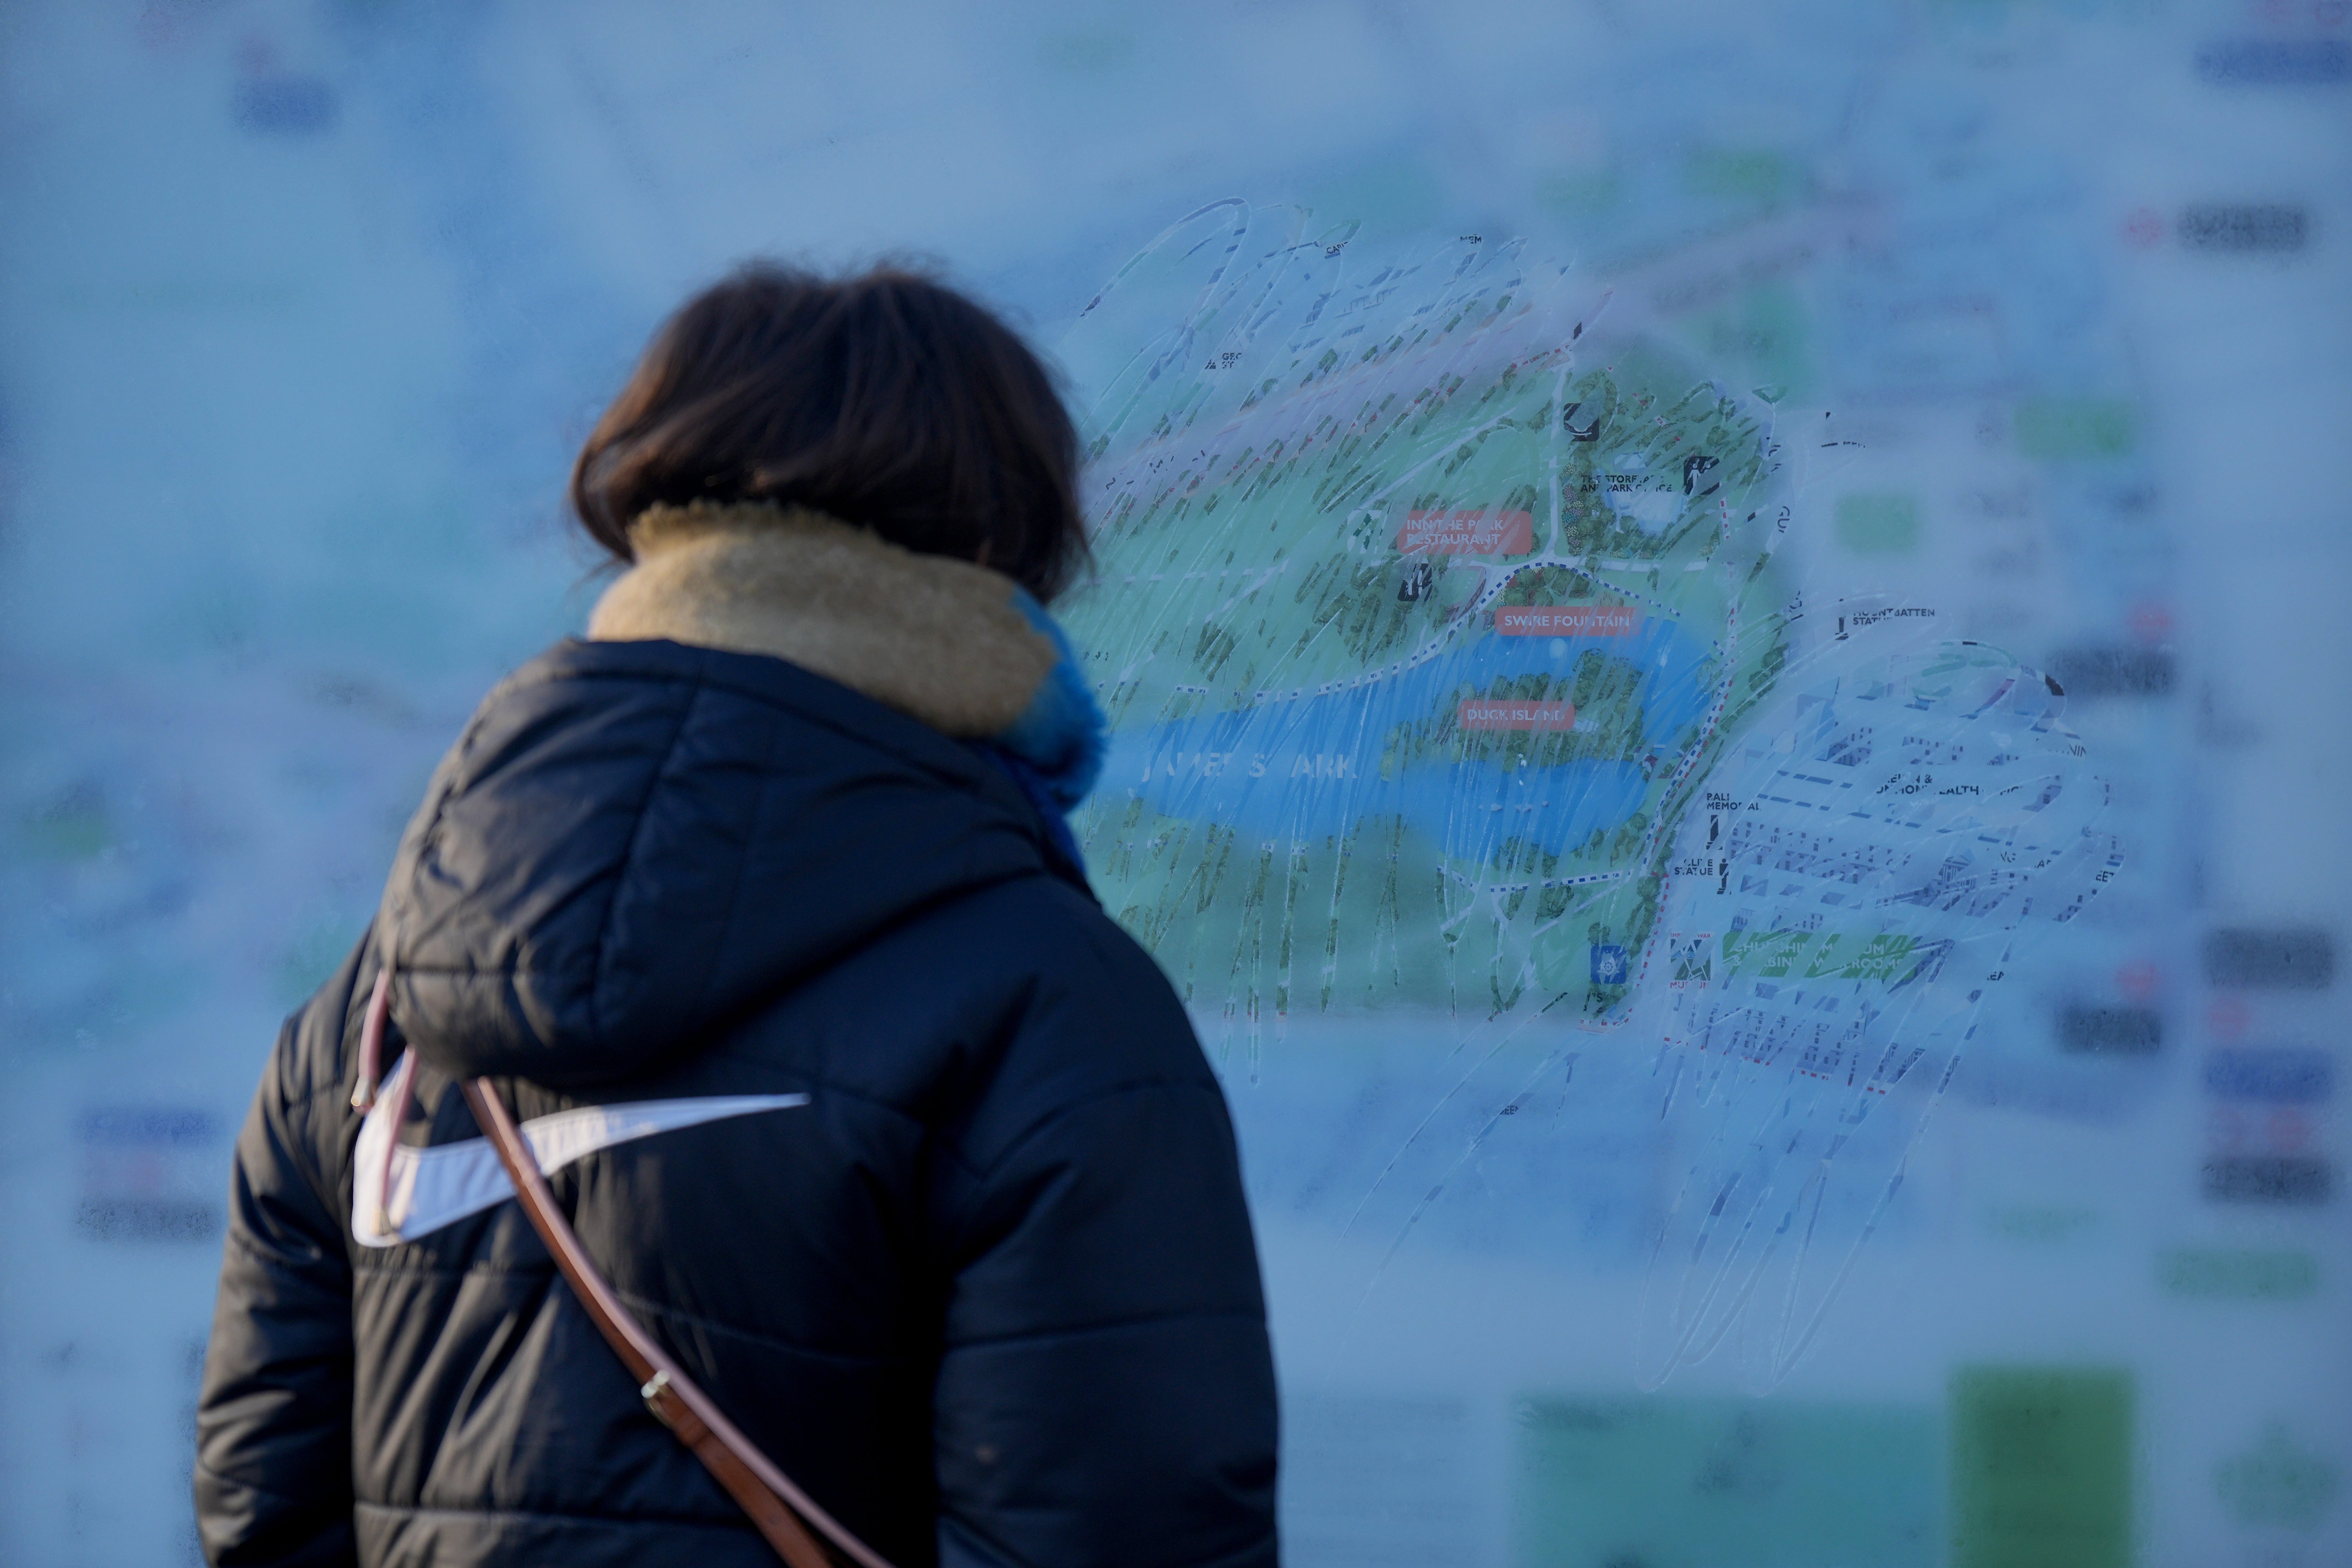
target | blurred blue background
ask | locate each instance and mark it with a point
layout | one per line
(304, 307)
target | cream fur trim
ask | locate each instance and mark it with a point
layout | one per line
(939, 640)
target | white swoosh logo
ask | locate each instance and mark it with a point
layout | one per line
(437, 1186)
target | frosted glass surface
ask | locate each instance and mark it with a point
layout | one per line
(1724, 627)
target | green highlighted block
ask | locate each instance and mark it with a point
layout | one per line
(1878, 957)
(1871, 523)
(1724, 1483)
(2077, 427)
(1839, 956)
(72, 826)
(2228, 1274)
(1747, 175)
(2041, 1463)
(2276, 1482)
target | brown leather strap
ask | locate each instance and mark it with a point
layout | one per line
(782, 1512)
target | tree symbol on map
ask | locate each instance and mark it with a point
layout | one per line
(1444, 654)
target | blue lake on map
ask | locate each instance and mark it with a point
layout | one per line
(1310, 765)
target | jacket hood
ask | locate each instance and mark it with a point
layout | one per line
(638, 838)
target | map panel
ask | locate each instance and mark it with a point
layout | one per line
(1722, 626)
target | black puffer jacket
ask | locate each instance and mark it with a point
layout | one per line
(988, 1294)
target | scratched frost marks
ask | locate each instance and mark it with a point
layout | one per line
(1862, 872)
(1419, 618)
(1444, 651)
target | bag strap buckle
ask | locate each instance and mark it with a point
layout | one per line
(655, 1386)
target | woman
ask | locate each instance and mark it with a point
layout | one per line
(871, 1116)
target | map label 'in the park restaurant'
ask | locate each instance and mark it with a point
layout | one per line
(1472, 531)
(1568, 620)
(1510, 713)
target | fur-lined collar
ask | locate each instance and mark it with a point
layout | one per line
(962, 648)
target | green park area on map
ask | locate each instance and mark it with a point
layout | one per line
(1415, 659)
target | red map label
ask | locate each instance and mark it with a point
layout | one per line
(1568, 620)
(1467, 531)
(1514, 714)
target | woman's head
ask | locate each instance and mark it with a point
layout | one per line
(884, 399)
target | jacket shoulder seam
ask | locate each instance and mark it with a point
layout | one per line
(1066, 1109)
(628, 857)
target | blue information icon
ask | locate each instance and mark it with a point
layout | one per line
(1608, 965)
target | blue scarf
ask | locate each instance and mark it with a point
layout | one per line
(1054, 751)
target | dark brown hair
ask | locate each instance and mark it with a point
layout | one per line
(885, 399)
